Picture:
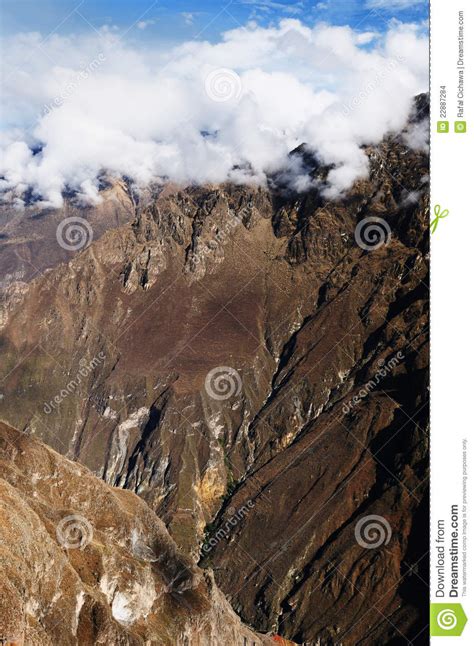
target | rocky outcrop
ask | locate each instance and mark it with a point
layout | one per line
(84, 563)
(319, 420)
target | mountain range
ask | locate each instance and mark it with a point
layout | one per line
(235, 361)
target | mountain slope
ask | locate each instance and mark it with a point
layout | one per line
(83, 563)
(28, 242)
(113, 356)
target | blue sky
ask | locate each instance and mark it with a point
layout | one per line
(177, 20)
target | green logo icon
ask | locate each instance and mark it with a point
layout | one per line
(447, 619)
(443, 126)
(460, 126)
(438, 215)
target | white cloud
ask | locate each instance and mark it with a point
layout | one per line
(294, 8)
(149, 113)
(394, 4)
(143, 24)
(188, 17)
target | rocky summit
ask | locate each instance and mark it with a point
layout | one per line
(251, 362)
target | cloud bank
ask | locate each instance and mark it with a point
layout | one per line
(76, 107)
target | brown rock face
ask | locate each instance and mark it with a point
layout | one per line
(28, 242)
(83, 563)
(271, 474)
